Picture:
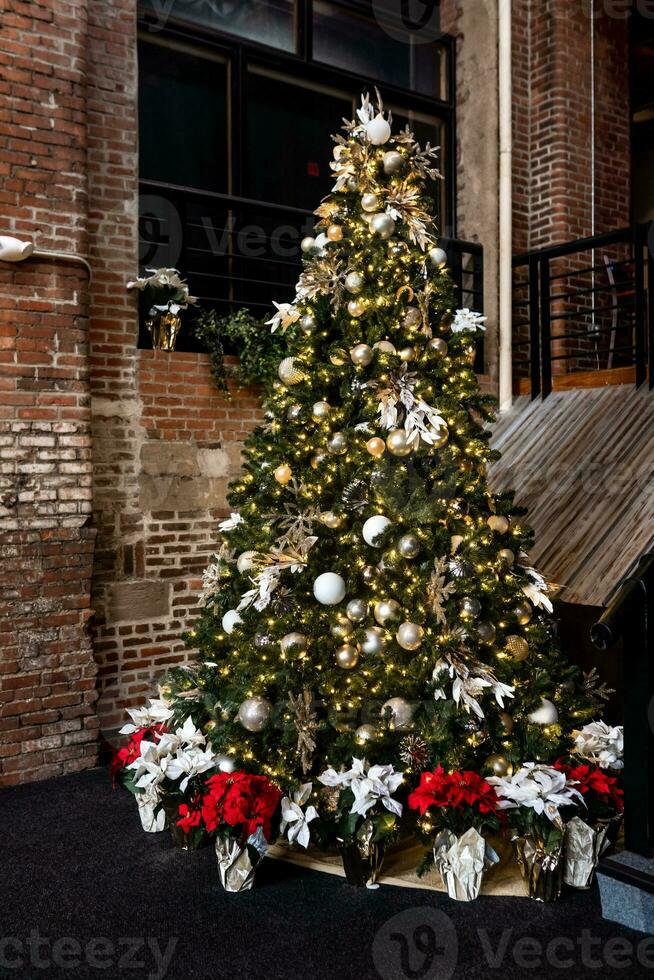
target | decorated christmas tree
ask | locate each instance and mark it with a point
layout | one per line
(370, 595)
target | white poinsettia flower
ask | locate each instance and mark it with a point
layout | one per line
(601, 744)
(231, 522)
(286, 314)
(154, 713)
(466, 319)
(189, 763)
(537, 590)
(295, 820)
(376, 786)
(149, 768)
(540, 788)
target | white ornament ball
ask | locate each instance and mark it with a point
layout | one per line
(373, 528)
(321, 241)
(245, 561)
(409, 636)
(307, 244)
(498, 523)
(401, 713)
(329, 589)
(255, 713)
(546, 714)
(385, 346)
(226, 763)
(382, 225)
(378, 130)
(230, 620)
(438, 257)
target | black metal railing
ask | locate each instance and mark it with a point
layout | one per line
(585, 306)
(237, 252)
(629, 619)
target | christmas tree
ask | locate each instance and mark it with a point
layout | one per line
(370, 595)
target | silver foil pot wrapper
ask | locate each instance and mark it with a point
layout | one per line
(462, 861)
(238, 862)
(613, 826)
(583, 847)
(541, 870)
(362, 859)
(152, 823)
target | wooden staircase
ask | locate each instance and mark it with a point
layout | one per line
(582, 462)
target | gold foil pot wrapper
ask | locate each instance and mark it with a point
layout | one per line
(152, 823)
(462, 861)
(163, 330)
(541, 870)
(238, 862)
(362, 859)
(583, 847)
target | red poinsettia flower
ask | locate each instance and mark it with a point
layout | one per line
(189, 816)
(130, 752)
(240, 799)
(454, 790)
(593, 780)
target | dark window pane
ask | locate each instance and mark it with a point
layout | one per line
(183, 118)
(266, 21)
(357, 43)
(288, 140)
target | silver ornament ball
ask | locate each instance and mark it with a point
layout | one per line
(308, 324)
(369, 202)
(392, 162)
(365, 733)
(354, 282)
(294, 413)
(357, 610)
(294, 643)
(375, 641)
(399, 713)
(409, 636)
(470, 607)
(386, 611)
(361, 354)
(347, 656)
(255, 713)
(337, 443)
(320, 410)
(437, 257)
(342, 627)
(382, 225)
(486, 632)
(408, 546)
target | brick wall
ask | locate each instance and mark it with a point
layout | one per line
(47, 673)
(182, 440)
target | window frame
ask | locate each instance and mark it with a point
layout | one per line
(298, 67)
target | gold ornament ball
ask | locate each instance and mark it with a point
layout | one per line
(369, 202)
(210, 725)
(507, 722)
(331, 520)
(412, 317)
(347, 656)
(385, 346)
(376, 447)
(409, 636)
(365, 733)
(386, 610)
(342, 627)
(498, 523)
(407, 354)
(361, 354)
(441, 437)
(370, 574)
(392, 162)
(294, 643)
(499, 765)
(338, 357)
(397, 443)
(356, 307)
(438, 346)
(522, 612)
(317, 460)
(354, 282)
(506, 557)
(517, 647)
(283, 473)
(321, 410)
(335, 233)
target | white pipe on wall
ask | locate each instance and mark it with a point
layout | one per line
(505, 207)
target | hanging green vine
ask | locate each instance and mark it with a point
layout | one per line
(259, 351)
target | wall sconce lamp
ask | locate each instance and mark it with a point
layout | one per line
(16, 250)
